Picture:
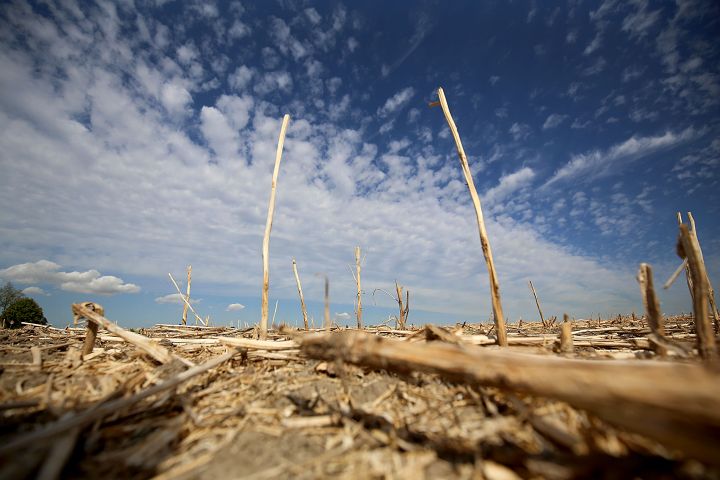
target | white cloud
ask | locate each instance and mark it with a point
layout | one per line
(640, 21)
(313, 15)
(597, 163)
(593, 45)
(234, 307)
(238, 30)
(396, 102)
(34, 291)
(553, 120)
(47, 272)
(509, 184)
(216, 128)
(274, 81)
(174, 298)
(352, 44)
(175, 98)
(520, 131)
(240, 78)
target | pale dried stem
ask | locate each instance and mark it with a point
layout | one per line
(688, 276)
(327, 303)
(158, 352)
(187, 301)
(187, 295)
(359, 290)
(537, 302)
(703, 328)
(566, 339)
(484, 242)
(652, 305)
(711, 290)
(268, 228)
(300, 293)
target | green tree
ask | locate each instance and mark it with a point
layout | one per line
(23, 310)
(8, 295)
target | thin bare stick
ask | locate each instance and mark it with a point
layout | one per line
(327, 303)
(688, 276)
(537, 302)
(156, 351)
(652, 306)
(185, 307)
(187, 301)
(484, 242)
(711, 290)
(667, 401)
(687, 248)
(359, 290)
(403, 309)
(272, 324)
(268, 228)
(302, 299)
(675, 274)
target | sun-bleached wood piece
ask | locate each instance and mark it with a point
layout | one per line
(92, 328)
(674, 403)
(688, 276)
(687, 248)
(537, 302)
(300, 293)
(187, 295)
(187, 302)
(158, 352)
(652, 305)
(484, 242)
(268, 228)
(566, 338)
(711, 290)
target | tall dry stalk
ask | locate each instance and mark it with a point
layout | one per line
(537, 302)
(187, 302)
(688, 276)
(185, 307)
(652, 305)
(711, 290)
(327, 303)
(302, 299)
(359, 290)
(404, 308)
(484, 242)
(268, 228)
(687, 248)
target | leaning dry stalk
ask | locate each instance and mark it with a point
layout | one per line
(688, 276)
(537, 302)
(359, 290)
(187, 302)
(92, 327)
(268, 228)
(652, 306)
(403, 308)
(484, 242)
(687, 248)
(711, 290)
(185, 307)
(302, 299)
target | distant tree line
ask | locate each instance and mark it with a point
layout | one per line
(16, 308)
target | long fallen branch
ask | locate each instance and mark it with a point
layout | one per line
(98, 411)
(158, 352)
(673, 403)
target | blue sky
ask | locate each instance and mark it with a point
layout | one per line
(139, 137)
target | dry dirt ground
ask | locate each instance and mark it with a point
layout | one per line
(276, 414)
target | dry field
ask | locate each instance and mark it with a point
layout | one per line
(206, 402)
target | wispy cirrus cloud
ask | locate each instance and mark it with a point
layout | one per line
(600, 163)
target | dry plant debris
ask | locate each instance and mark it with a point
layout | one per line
(230, 406)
